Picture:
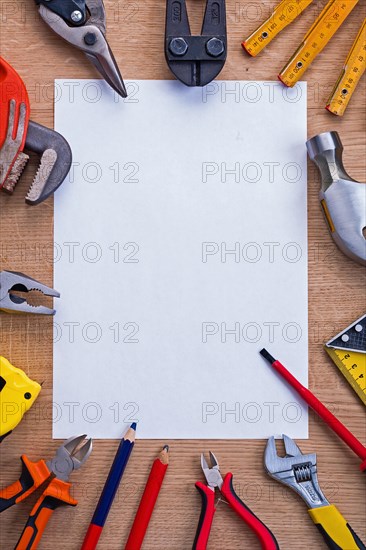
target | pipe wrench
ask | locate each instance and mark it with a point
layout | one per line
(17, 133)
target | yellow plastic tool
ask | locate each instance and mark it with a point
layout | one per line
(17, 395)
(334, 528)
(348, 351)
(283, 15)
(328, 22)
(351, 73)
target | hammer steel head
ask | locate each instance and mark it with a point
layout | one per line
(342, 198)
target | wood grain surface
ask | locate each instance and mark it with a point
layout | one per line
(336, 297)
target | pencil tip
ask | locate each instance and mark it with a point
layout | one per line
(267, 356)
(166, 448)
(133, 426)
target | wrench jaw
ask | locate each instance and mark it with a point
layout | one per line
(55, 161)
(21, 133)
(12, 158)
(297, 471)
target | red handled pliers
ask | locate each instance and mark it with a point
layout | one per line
(225, 486)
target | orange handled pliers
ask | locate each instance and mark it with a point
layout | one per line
(69, 457)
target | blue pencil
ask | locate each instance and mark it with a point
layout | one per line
(109, 490)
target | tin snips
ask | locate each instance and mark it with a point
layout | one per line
(17, 133)
(82, 23)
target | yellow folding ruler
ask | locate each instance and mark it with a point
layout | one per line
(328, 22)
(348, 352)
(352, 71)
(283, 15)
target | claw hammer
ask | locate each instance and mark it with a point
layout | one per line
(342, 198)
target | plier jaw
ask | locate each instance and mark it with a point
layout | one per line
(12, 281)
(208, 508)
(87, 34)
(212, 474)
(70, 456)
(296, 470)
(195, 60)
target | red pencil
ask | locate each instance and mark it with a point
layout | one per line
(148, 500)
(320, 409)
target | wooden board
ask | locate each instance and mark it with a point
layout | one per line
(336, 298)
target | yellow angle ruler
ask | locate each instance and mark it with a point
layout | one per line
(348, 352)
(283, 15)
(328, 22)
(352, 71)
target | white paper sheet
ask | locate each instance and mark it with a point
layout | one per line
(181, 251)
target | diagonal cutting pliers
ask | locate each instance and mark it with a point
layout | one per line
(225, 486)
(69, 457)
(299, 472)
(10, 302)
(82, 23)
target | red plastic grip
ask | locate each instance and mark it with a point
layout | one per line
(92, 536)
(11, 88)
(207, 513)
(266, 537)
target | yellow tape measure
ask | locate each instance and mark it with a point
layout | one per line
(328, 22)
(17, 395)
(283, 15)
(352, 71)
(348, 351)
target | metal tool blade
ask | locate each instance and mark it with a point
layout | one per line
(48, 161)
(10, 149)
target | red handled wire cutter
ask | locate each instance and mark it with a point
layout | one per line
(207, 492)
(69, 457)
